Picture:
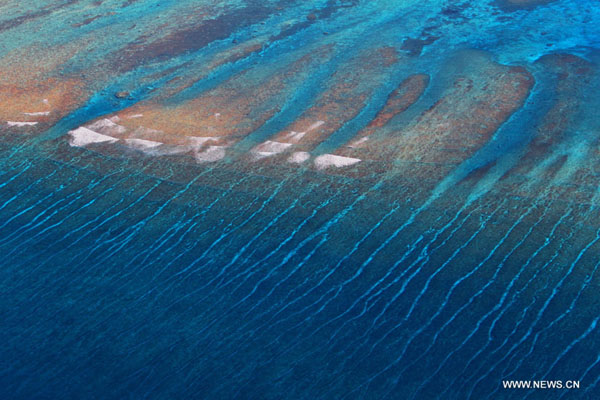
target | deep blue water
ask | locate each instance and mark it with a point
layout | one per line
(125, 275)
(123, 283)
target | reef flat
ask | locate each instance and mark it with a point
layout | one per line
(308, 200)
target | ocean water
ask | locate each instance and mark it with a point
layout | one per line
(439, 238)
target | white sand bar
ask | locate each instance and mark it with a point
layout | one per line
(315, 125)
(330, 160)
(39, 113)
(358, 142)
(142, 144)
(299, 157)
(21, 124)
(269, 148)
(107, 127)
(83, 136)
(295, 136)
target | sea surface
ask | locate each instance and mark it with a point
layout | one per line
(384, 199)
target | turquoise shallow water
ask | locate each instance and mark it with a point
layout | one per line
(128, 274)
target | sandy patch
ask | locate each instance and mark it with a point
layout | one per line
(299, 157)
(142, 144)
(83, 136)
(21, 124)
(329, 160)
